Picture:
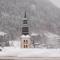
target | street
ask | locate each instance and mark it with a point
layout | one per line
(40, 58)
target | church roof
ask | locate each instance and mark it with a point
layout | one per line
(2, 33)
(25, 36)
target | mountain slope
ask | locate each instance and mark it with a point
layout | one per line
(44, 15)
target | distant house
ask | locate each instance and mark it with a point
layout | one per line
(3, 38)
(35, 40)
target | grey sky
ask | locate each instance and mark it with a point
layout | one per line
(56, 2)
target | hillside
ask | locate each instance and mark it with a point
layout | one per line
(43, 14)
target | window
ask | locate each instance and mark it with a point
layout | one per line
(24, 46)
(24, 21)
(24, 41)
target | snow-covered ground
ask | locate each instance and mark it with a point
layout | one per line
(18, 52)
(15, 51)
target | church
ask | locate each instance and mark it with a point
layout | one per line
(26, 38)
(25, 33)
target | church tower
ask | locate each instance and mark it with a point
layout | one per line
(25, 34)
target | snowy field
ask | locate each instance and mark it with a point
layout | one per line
(18, 52)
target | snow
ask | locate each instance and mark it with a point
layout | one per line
(2, 33)
(15, 43)
(51, 35)
(25, 36)
(34, 34)
(18, 52)
(56, 3)
(36, 43)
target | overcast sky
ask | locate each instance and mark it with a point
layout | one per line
(56, 2)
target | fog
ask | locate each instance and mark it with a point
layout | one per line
(56, 2)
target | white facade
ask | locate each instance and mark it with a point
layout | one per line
(25, 41)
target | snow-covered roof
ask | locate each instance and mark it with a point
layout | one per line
(28, 36)
(36, 43)
(2, 33)
(34, 34)
(22, 36)
(25, 36)
(51, 35)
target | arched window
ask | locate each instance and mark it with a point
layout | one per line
(24, 46)
(24, 41)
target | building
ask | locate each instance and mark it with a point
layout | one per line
(3, 39)
(25, 33)
(35, 40)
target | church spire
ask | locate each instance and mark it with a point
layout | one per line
(25, 15)
(25, 27)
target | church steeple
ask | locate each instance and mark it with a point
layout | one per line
(25, 28)
(25, 38)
